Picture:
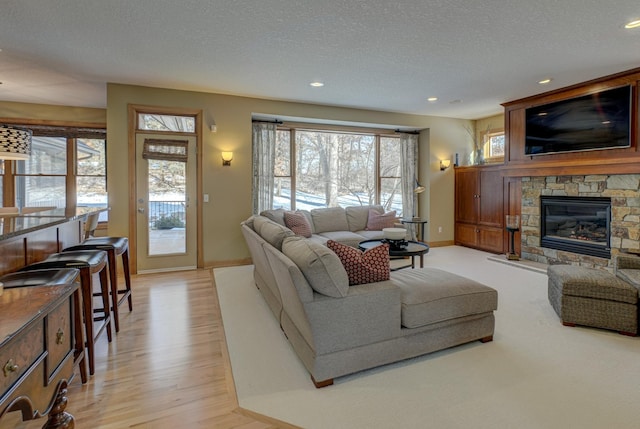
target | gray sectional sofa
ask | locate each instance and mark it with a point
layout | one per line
(337, 329)
(344, 225)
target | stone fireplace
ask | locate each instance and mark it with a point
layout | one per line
(540, 242)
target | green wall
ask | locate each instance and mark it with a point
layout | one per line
(229, 188)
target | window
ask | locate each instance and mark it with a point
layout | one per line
(329, 168)
(40, 181)
(494, 146)
(91, 172)
(167, 123)
(67, 168)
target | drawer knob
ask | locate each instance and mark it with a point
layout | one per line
(59, 336)
(10, 367)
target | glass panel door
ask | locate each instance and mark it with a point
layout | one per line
(166, 217)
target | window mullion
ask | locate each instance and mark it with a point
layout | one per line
(71, 182)
(8, 184)
(292, 166)
(377, 169)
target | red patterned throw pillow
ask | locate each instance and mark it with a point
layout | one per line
(363, 267)
(298, 223)
(377, 221)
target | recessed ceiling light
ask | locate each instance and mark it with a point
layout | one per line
(316, 84)
(545, 81)
(432, 99)
(455, 101)
(633, 24)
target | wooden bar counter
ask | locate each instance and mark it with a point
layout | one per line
(29, 238)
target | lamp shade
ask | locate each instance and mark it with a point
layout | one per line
(15, 143)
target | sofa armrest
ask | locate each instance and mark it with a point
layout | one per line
(368, 314)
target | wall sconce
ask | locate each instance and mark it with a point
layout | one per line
(226, 158)
(444, 164)
(15, 143)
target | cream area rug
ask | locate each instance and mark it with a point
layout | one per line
(535, 374)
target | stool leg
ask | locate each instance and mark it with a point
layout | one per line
(113, 281)
(79, 335)
(105, 301)
(127, 277)
(87, 304)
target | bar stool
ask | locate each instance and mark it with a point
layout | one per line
(114, 246)
(89, 262)
(56, 277)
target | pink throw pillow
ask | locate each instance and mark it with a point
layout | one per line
(363, 267)
(377, 221)
(298, 223)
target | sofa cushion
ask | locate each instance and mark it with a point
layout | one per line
(363, 267)
(321, 267)
(276, 215)
(274, 233)
(430, 296)
(298, 223)
(370, 235)
(357, 216)
(345, 237)
(329, 219)
(378, 221)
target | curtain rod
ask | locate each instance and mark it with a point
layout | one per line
(406, 132)
(275, 121)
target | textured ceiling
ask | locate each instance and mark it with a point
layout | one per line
(371, 54)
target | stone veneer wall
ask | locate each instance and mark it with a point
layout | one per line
(624, 191)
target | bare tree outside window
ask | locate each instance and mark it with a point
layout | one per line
(333, 168)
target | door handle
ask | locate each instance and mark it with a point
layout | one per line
(140, 209)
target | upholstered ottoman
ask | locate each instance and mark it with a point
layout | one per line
(591, 297)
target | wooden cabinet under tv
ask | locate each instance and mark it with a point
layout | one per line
(479, 210)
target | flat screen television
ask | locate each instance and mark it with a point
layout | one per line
(591, 122)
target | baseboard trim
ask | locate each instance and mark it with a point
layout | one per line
(441, 243)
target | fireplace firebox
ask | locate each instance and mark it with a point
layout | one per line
(576, 224)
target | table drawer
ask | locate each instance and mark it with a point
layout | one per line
(59, 336)
(17, 356)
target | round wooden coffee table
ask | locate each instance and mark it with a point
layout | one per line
(412, 249)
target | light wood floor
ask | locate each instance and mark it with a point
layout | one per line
(168, 366)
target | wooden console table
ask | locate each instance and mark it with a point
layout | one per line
(37, 345)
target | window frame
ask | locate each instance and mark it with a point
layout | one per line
(486, 145)
(71, 131)
(294, 127)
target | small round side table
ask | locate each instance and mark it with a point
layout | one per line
(416, 221)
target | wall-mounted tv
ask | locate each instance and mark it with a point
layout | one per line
(591, 122)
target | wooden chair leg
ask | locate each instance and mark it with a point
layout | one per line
(79, 355)
(105, 301)
(127, 277)
(87, 303)
(113, 282)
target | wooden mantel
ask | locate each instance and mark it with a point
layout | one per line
(609, 161)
